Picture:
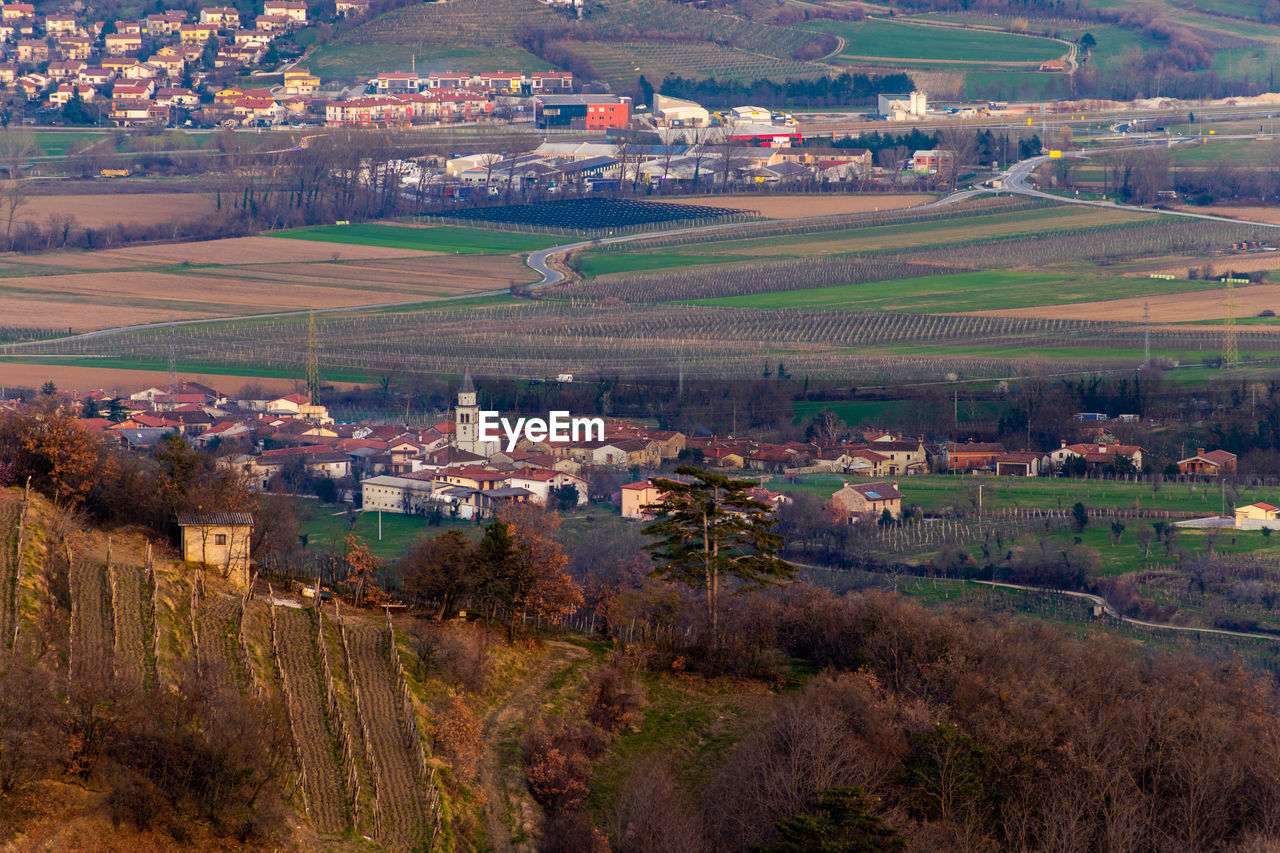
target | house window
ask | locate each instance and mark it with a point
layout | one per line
(219, 539)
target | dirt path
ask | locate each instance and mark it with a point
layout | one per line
(510, 815)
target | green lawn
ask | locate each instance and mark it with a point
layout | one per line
(444, 238)
(363, 60)
(889, 39)
(935, 492)
(1248, 151)
(1127, 555)
(56, 144)
(977, 291)
(326, 532)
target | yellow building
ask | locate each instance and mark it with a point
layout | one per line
(220, 540)
(636, 496)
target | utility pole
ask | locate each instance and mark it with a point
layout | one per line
(173, 360)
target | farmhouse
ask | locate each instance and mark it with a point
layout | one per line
(402, 495)
(931, 161)
(970, 456)
(220, 540)
(865, 501)
(1215, 463)
(1098, 455)
(905, 456)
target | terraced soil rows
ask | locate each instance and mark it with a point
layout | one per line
(300, 672)
(10, 513)
(128, 598)
(399, 790)
(218, 624)
(91, 631)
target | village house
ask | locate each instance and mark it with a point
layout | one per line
(352, 8)
(403, 495)
(865, 501)
(1021, 463)
(60, 23)
(75, 47)
(220, 541)
(636, 496)
(540, 482)
(963, 457)
(1215, 463)
(224, 17)
(931, 161)
(1257, 516)
(119, 44)
(33, 50)
(905, 456)
(294, 10)
(1097, 456)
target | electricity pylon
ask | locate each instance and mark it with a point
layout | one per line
(313, 363)
(1230, 355)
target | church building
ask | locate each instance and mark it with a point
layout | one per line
(467, 421)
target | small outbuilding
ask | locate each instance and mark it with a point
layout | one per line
(220, 540)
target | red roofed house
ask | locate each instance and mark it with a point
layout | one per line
(1215, 463)
(971, 456)
(1256, 516)
(636, 496)
(1097, 455)
(541, 481)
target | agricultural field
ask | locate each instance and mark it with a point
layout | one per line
(937, 492)
(255, 275)
(881, 41)
(803, 206)
(594, 214)
(462, 241)
(98, 211)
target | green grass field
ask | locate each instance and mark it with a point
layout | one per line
(593, 264)
(57, 144)
(936, 492)
(976, 291)
(326, 531)
(902, 41)
(444, 238)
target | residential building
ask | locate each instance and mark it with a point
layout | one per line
(352, 8)
(1256, 516)
(931, 161)
(636, 496)
(962, 457)
(294, 10)
(119, 44)
(1215, 463)
(224, 17)
(865, 501)
(1098, 455)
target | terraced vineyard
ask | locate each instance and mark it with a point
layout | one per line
(91, 633)
(10, 514)
(299, 667)
(619, 17)
(218, 631)
(458, 22)
(616, 61)
(129, 602)
(401, 815)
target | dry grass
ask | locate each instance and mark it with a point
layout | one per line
(1167, 308)
(253, 275)
(96, 211)
(796, 206)
(1269, 215)
(121, 380)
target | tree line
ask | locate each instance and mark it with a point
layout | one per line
(819, 92)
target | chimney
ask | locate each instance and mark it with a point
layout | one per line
(1064, 444)
(1200, 451)
(895, 487)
